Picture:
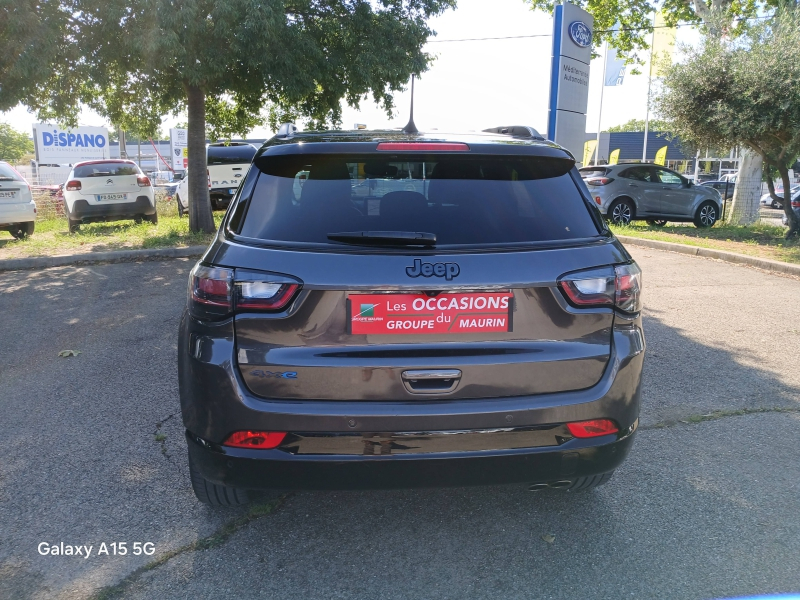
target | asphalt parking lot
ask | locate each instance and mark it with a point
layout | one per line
(92, 452)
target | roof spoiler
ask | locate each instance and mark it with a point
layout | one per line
(518, 131)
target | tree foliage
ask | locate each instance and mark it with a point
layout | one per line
(634, 18)
(638, 125)
(135, 60)
(744, 91)
(13, 144)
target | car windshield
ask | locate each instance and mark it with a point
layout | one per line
(475, 200)
(106, 169)
(7, 173)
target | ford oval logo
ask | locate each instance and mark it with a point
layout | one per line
(580, 33)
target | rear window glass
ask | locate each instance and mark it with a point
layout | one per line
(231, 155)
(593, 172)
(475, 200)
(106, 169)
(8, 174)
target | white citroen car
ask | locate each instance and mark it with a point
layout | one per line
(108, 190)
(17, 209)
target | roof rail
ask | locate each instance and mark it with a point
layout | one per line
(286, 130)
(519, 131)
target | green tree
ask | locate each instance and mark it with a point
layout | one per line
(634, 18)
(638, 125)
(744, 91)
(136, 60)
(13, 144)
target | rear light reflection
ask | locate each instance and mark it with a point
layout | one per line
(214, 293)
(593, 428)
(262, 440)
(264, 295)
(73, 186)
(620, 288)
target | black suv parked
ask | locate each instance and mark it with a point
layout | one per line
(382, 309)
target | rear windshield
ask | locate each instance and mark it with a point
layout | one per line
(231, 155)
(9, 174)
(106, 169)
(475, 200)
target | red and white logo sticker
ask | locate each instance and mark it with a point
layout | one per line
(418, 313)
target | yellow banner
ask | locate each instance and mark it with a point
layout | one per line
(661, 155)
(613, 158)
(588, 151)
(663, 46)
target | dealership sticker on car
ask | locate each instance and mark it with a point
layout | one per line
(420, 313)
(101, 197)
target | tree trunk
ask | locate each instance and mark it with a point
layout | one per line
(747, 193)
(794, 226)
(200, 216)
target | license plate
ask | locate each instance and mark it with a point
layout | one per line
(101, 197)
(418, 313)
(8, 194)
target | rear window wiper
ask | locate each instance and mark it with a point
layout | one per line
(385, 238)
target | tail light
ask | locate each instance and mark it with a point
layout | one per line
(208, 174)
(619, 287)
(795, 203)
(262, 440)
(216, 292)
(598, 180)
(593, 428)
(597, 200)
(143, 180)
(73, 186)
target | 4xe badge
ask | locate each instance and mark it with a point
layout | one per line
(446, 270)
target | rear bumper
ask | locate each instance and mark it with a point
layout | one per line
(215, 402)
(82, 210)
(17, 212)
(276, 469)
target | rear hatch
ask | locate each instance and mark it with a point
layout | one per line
(13, 187)
(335, 302)
(108, 182)
(227, 165)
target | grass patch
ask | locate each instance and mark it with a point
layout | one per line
(762, 240)
(52, 237)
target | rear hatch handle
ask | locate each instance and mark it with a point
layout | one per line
(431, 381)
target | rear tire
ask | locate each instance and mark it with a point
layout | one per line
(621, 212)
(706, 215)
(214, 494)
(589, 482)
(152, 218)
(657, 222)
(74, 226)
(22, 230)
(180, 207)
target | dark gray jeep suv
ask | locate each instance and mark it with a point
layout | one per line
(382, 309)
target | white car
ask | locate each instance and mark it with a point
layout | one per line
(108, 190)
(767, 200)
(227, 166)
(17, 208)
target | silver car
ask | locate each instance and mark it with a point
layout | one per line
(630, 192)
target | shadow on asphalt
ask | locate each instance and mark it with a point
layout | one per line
(696, 511)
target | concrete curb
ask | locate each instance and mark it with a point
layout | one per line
(43, 262)
(731, 257)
